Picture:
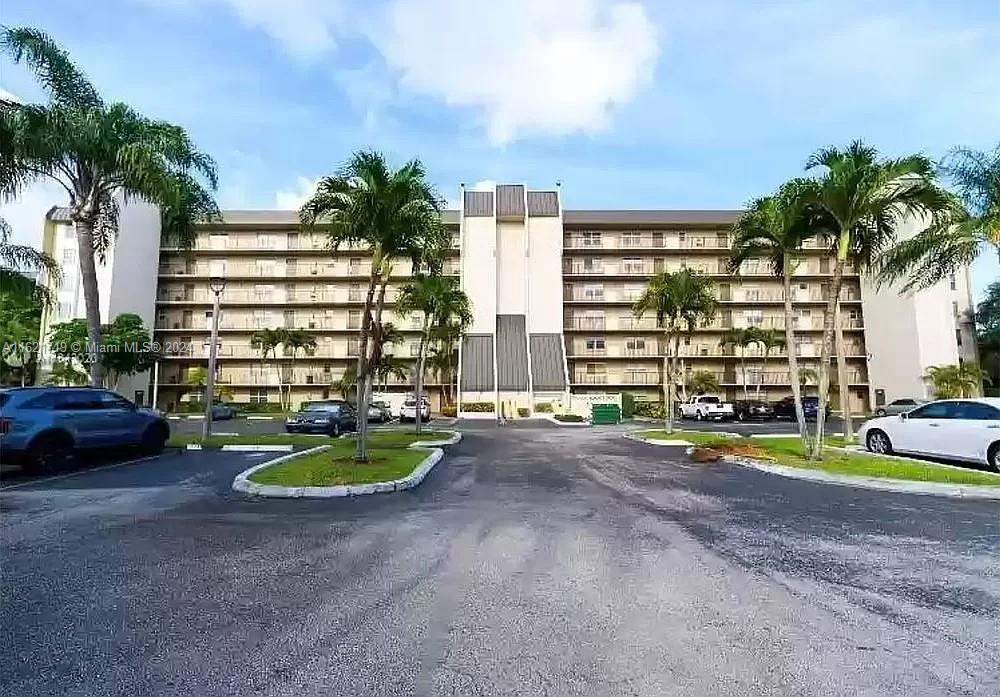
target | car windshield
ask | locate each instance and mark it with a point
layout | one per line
(321, 406)
(709, 400)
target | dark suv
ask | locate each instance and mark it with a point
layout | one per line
(785, 408)
(46, 427)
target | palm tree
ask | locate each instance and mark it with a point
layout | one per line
(348, 382)
(768, 340)
(197, 377)
(941, 250)
(703, 382)
(97, 151)
(774, 228)
(266, 341)
(395, 213)
(19, 257)
(293, 341)
(962, 380)
(860, 200)
(742, 338)
(383, 363)
(441, 302)
(681, 301)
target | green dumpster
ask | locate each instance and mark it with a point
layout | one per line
(605, 414)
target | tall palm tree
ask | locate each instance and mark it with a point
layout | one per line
(293, 341)
(774, 228)
(742, 338)
(681, 301)
(860, 200)
(441, 302)
(266, 341)
(395, 213)
(941, 250)
(97, 151)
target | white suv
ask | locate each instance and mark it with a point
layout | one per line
(409, 410)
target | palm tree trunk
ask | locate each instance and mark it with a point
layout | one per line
(793, 360)
(420, 372)
(91, 298)
(361, 451)
(668, 412)
(827, 347)
(844, 390)
(743, 369)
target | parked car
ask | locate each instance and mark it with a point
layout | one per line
(785, 408)
(705, 406)
(379, 412)
(750, 409)
(45, 428)
(223, 411)
(332, 417)
(408, 412)
(966, 430)
(899, 406)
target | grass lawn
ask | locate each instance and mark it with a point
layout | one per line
(376, 439)
(337, 466)
(788, 451)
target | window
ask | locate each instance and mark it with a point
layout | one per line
(954, 309)
(635, 345)
(591, 264)
(958, 337)
(69, 255)
(977, 411)
(595, 344)
(631, 239)
(954, 282)
(590, 239)
(593, 292)
(263, 293)
(631, 265)
(258, 395)
(414, 349)
(110, 400)
(265, 240)
(935, 410)
(631, 293)
(750, 267)
(217, 241)
(354, 319)
(903, 403)
(265, 267)
(217, 267)
(596, 369)
(753, 318)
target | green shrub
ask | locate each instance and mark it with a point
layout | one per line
(450, 410)
(628, 405)
(478, 406)
(523, 412)
(265, 408)
(570, 418)
(544, 407)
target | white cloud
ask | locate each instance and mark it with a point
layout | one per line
(293, 198)
(527, 67)
(521, 66)
(6, 96)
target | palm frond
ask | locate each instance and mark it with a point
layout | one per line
(51, 65)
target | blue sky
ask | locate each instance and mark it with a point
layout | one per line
(656, 104)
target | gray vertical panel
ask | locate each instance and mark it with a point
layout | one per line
(510, 201)
(512, 352)
(543, 204)
(477, 363)
(547, 362)
(478, 204)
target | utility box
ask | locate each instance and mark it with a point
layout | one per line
(605, 414)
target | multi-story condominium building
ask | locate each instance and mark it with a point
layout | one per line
(551, 291)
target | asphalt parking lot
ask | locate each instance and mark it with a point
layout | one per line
(533, 560)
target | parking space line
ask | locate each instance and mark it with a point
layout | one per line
(82, 471)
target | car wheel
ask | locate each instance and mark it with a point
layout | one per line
(740, 416)
(50, 453)
(993, 457)
(880, 412)
(878, 442)
(154, 439)
(335, 431)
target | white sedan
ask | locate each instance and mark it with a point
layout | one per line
(952, 429)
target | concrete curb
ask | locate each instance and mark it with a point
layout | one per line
(243, 484)
(963, 491)
(260, 418)
(245, 448)
(655, 441)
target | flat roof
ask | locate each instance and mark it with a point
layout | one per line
(570, 217)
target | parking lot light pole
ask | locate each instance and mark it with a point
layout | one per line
(216, 285)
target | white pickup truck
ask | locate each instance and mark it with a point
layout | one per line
(705, 406)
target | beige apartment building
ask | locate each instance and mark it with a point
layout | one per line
(551, 290)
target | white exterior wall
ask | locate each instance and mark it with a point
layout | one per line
(511, 268)
(544, 272)
(479, 272)
(907, 333)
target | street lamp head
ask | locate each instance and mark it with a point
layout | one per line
(216, 284)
